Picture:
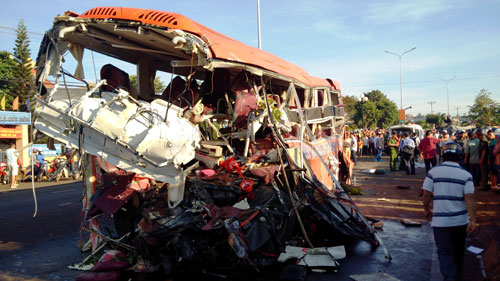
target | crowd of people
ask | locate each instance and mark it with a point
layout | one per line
(481, 150)
(480, 154)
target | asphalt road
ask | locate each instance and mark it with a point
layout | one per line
(39, 247)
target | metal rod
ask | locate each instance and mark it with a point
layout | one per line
(258, 22)
(447, 93)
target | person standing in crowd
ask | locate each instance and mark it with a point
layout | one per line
(427, 149)
(360, 144)
(451, 191)
(408, 152)
(392, 143)
(12, 164)
(461, 139)
(496, 152)
(484, 152)
(442, 141)
(354, 147)
(371, 147)
(472, 157)
(378, 146)
(491, 160)
(416, 140)
(366, 142)
(347, 144)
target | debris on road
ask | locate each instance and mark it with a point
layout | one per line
(379, 276)
(234, 164)
(409, 222)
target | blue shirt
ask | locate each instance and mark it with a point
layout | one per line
(40, 158)
(449, 182)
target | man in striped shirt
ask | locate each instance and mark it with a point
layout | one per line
(451, 190)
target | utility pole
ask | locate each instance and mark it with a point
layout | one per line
(447, 94)
(431, 103)
(456, 107)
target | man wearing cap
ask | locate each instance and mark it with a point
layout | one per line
(427, 149)
(451, 190)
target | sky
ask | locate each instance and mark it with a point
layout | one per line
(342, 40)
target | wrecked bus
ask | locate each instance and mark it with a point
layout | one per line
(238, 159)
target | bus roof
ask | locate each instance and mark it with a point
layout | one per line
(221, 46)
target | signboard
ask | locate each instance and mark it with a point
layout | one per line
(15, 118)
(10, 133)
(402, 115)
(46, 151)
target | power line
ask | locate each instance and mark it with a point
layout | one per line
(15, 29)
(427, 81)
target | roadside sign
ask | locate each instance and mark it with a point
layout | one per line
(15, 118)
(402, 115)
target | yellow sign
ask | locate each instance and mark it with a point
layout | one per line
(10, 133)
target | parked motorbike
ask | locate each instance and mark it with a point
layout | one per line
(3, 173)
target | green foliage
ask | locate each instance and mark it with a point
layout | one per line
(378, 111)
(437, 119)
(158, 84)
(7, 77)
(24, 84)
(272, 104)
(350, 106)
(485, 110)
(422, 123)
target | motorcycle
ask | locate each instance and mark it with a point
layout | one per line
(3, 173)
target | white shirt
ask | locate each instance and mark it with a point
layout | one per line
(354, 144)
(449, 182)
(408, 142)
(11, 154)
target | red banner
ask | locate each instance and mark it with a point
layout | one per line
(10, 133)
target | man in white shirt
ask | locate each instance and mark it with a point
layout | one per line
(451, 190)
(408, 149)
(12, 155)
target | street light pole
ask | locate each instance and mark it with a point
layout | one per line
(400, 72)
(362, 99)
(447, 94)
(258, 22)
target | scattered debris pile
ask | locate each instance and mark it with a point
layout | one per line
(234, 167)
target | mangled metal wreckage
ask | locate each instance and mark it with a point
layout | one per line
(238, 158)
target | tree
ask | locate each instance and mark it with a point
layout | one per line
(158, 84)
(350, 106)
(7, 76)
(485, 110)
(437, 119)
(422, 123)
(24, 83)
(379, 111)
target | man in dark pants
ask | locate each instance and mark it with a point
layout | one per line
(408, 152)
(427, 149)
(451, 191)
(472, 157)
